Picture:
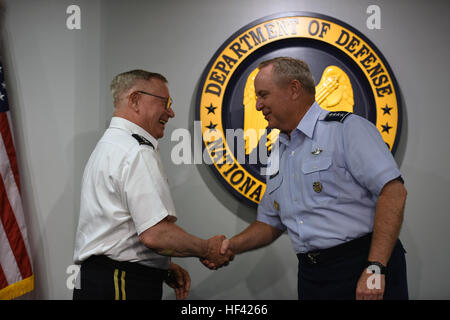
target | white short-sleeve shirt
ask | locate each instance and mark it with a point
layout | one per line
(124, 192)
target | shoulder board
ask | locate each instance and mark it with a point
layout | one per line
(337, 116)
(142, 140)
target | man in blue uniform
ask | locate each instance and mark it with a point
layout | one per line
(337, 191)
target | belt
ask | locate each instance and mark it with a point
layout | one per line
(129, 267)
(356, 246)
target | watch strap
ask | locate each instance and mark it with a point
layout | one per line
(376, 267)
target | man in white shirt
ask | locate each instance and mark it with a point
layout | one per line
(126, 232)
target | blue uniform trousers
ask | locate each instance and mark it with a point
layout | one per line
(335, 276)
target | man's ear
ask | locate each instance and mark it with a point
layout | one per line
(133, 101)
(296, 89)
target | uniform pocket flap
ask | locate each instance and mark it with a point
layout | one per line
(314, 165)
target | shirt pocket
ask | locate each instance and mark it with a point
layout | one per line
(319, 178)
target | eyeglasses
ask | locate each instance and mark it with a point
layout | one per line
(167, 100)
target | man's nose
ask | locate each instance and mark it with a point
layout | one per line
(170, 112)
(259, 104)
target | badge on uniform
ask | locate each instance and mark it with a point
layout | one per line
(276, 205)
(317, 187)
(316, 151)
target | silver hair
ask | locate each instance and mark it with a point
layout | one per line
(124, 81)
(286, 69)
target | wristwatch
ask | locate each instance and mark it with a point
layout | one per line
(376, 267)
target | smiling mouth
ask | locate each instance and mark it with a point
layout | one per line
(162, 121)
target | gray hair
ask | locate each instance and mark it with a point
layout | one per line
(124, 81)
(286, 69)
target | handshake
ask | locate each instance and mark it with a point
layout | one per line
(219, 253)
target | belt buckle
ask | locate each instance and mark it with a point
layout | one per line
(312, 256)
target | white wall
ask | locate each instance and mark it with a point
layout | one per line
(58, 88)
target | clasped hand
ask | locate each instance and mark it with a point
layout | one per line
(216, 256)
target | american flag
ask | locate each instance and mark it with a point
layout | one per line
(16, 273)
